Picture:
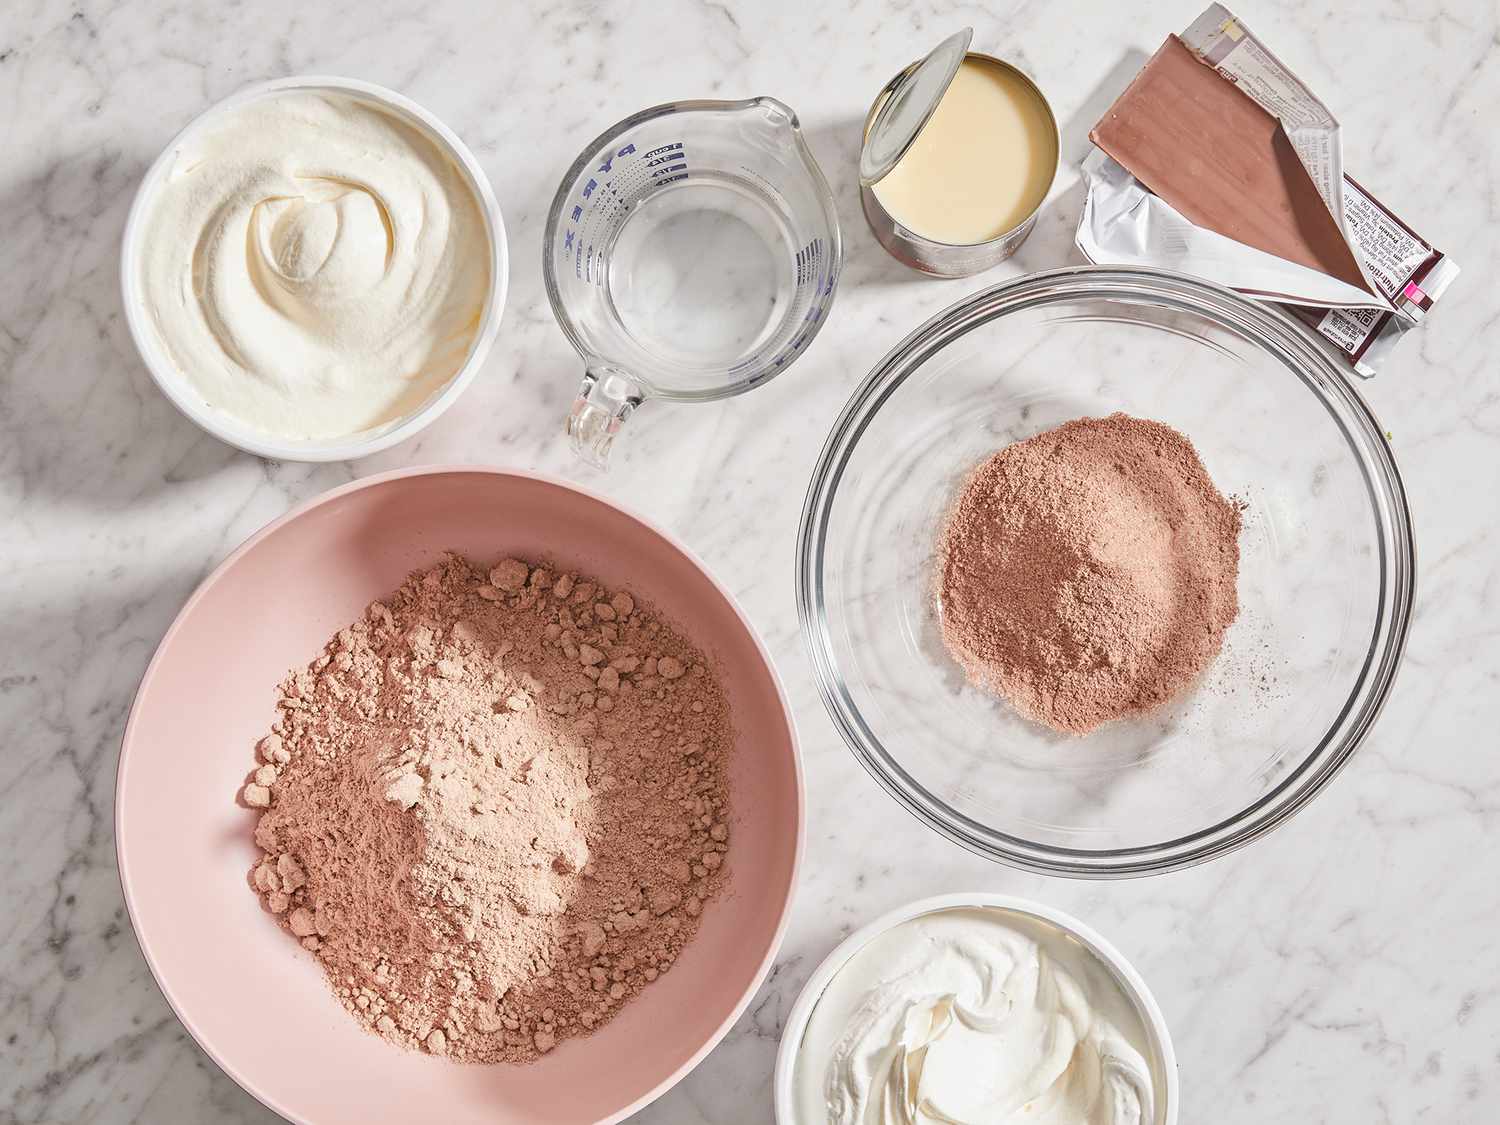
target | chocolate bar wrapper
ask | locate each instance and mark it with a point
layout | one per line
(1124, 223)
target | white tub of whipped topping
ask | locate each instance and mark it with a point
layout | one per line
(314, 269)
(959, 153)
(974, 1007)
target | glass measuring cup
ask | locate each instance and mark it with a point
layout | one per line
(691, 253)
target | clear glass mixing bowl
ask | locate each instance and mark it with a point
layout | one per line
(1326, 573)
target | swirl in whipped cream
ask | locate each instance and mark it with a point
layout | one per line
(970, 1017)
(314, 265)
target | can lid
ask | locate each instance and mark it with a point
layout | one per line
(909, 107)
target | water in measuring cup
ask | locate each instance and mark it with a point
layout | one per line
(702, 273)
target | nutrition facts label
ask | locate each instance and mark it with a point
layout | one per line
(1393, 257)
(1392, 253)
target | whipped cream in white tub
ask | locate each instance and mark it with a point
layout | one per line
(313, 264)
(977, 1016)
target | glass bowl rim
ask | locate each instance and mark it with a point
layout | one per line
(1270, 330)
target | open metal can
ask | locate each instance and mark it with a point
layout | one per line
(898, 114)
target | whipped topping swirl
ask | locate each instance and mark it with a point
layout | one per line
(314, 265)
(958, 1018)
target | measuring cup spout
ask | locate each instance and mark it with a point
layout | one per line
(785, 132)
(605, 399)
(777, 111)
(780, 120)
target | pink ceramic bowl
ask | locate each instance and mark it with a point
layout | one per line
(257, 1003)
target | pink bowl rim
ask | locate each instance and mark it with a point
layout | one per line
(373, 481)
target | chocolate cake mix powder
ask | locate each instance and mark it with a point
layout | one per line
(495, 807)
(1089, 573)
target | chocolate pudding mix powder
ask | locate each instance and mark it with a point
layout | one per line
(1088, 573)
(495, 807)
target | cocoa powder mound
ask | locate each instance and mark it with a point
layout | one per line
(495, 807)
(1089, 573)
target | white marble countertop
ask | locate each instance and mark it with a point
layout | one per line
(1342, 970)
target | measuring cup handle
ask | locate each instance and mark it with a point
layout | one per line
(606, 398)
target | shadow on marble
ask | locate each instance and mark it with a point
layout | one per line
(1051, 244)
(1075, 131)
(99, 433)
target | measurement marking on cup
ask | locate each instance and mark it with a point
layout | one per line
(602, 202)
(808, 258)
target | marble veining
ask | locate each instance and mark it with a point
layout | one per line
(1342, 970)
